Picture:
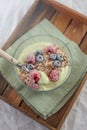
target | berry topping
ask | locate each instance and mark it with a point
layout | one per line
(46, 65)
(53, 56)
(57, 63)
(39, 58)
(30, 59)
(39, 52)
(54, 75)
(50, 49)
(35, 75)
(60, 57)
(30, 66)
(34, 85)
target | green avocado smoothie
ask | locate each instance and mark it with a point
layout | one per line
(49, 64)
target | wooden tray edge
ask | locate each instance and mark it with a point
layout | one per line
(56, 5)
(66, 10)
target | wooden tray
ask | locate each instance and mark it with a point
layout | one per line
(73, 25)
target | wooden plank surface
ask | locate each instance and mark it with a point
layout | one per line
(3, 84)
(12, 96)
(83, 44)
(67, 11)
(61, 21)
(75, 30)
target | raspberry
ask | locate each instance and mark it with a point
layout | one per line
(34, 85)
(35, 75)
(54, 75)
(30, 59)
(50, 49)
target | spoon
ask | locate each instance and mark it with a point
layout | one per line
(12, 60)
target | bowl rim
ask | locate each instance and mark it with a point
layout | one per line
(70, 56)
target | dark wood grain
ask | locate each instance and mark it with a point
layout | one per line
(76, 31)
(67, 11)
(12, 96)
(61, 21)
(83, 44)
(3, 84)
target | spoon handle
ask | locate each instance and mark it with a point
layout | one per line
(8, 57)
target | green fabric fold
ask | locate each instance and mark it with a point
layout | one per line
(47, 103)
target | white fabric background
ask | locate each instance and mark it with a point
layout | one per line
(11, 12)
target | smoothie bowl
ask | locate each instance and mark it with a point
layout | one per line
(48, 60)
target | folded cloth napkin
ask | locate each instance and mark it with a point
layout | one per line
(47, 103)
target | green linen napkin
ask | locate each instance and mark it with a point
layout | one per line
(47, 103)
